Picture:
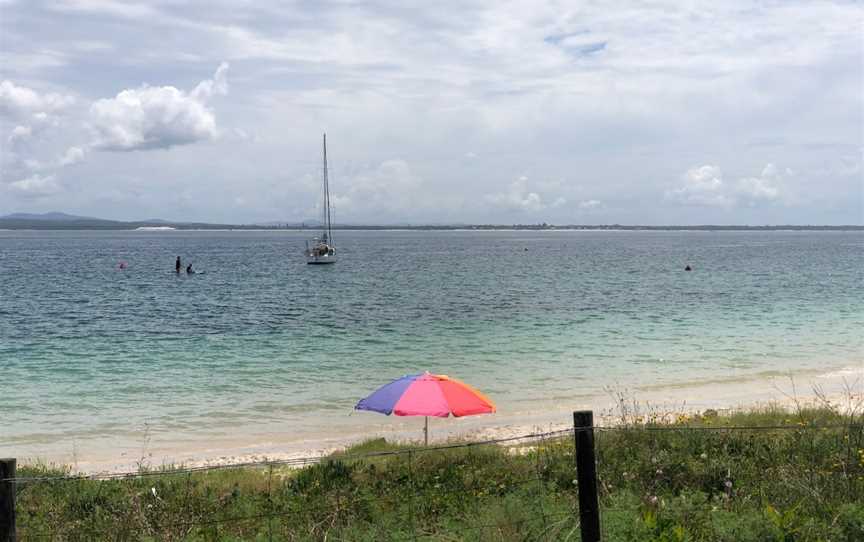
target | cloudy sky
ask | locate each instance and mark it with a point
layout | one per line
(679, 112)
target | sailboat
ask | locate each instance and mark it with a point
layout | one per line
(321, 250)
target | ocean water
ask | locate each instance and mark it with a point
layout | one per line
(262, 347)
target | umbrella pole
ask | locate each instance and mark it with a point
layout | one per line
(426, 432)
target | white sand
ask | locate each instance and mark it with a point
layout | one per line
(843, 387)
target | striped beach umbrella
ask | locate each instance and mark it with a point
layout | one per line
(426, 394)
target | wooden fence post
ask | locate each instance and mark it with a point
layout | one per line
(586, 476)
(7, 500)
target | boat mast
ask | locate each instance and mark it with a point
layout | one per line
(328, 232)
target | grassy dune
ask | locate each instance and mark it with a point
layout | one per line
(661, 479)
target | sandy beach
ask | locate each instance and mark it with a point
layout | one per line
(842, 386)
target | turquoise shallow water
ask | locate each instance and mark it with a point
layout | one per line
(262, 343)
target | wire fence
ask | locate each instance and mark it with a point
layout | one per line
(654, 481)
(801, 480)
(303, 498)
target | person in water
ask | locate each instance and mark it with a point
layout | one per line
(189, 269)
(177, 265)
(688, 268)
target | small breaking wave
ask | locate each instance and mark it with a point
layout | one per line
(845, 372)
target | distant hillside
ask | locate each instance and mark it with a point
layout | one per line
(7, 223)
(64, 221)
(45, 216)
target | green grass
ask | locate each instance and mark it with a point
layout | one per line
(662, 481)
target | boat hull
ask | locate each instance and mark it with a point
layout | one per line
(320, 260)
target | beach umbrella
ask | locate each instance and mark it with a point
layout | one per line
(427, 395)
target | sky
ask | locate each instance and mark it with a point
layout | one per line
(574, 112)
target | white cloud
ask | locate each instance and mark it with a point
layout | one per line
(19, 102)
(705, 186)
(35, 186)
(39, 176)
(73, 155)
(156, 117)
(31, 113)
(518, 198)
(388, 189)
(33, 118)
(209, 87)
(702, 186)
(589, 205)
(20, 133)
(765, 188)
